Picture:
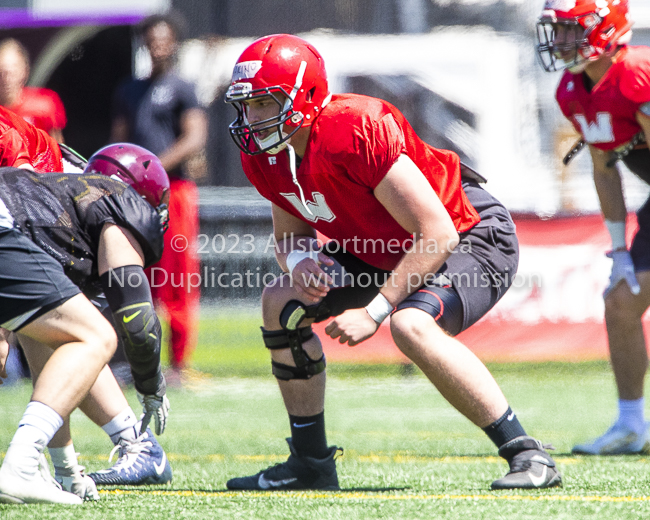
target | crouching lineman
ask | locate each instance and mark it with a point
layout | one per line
(23, 145)
(61, 235)
(352, 168)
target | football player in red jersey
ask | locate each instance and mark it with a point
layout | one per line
(605, 93)
(23, 144)
(408, 236)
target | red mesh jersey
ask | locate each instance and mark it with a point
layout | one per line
(30, 145)
(41, 107)
(605, 116)
(353, 144)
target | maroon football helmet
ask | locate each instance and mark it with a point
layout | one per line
(136, 166)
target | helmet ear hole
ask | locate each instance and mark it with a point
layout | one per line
(146, 164)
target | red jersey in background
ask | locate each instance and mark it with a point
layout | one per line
(23, 143)
(41, 107)
(605, 116)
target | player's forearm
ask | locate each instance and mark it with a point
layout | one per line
(182, 150)
(136, 323)
(426, 257)
(289, 243)
(192, 139)
(610, 194)
(4, 352)
(289, 233)
(607, 180)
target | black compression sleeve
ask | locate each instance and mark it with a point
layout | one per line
(129, 297)
(124, 286)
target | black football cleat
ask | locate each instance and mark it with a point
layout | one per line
(296, 473)
(530, 466)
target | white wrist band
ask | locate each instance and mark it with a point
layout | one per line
(617, 232)
(296, 256)
(379, 308)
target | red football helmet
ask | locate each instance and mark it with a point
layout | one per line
(135, 166)
(575, 32)
(290, 72)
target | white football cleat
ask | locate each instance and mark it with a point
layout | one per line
(141, 462)
(25, 479)
(74, 480)
(618, 440)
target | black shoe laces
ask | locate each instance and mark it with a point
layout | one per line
(277, 471)
(522, 462)
(520, 465)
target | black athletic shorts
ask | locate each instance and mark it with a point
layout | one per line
(479, 271)
(31, 281)
(640, 250)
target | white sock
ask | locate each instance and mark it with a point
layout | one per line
(122, 426)
(38, 425)
(63, 458)
(36, 428)
(631, 414)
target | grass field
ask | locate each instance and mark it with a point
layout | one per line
(408, 454)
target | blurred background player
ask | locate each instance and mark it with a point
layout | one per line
(40, 302)
(353, 169)
(162, 113)
(24, 144)
(141, 459)
(41, 107)
(605, 93)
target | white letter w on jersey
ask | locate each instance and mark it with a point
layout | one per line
(599, 132)
(319, 208)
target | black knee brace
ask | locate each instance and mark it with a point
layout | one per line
(443, 303)
(305, 367)
(294, 312)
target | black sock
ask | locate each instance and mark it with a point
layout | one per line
(308, 435)
(504, 429)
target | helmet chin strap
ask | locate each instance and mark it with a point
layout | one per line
(578, 67)
(292, 167)
(270, 141)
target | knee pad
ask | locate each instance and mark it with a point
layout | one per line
(139, 330)
(305, 367)
(294, 312)
(443, 303)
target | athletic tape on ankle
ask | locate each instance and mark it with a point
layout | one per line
(65, 457)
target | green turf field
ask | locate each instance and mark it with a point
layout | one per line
(408, 454)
